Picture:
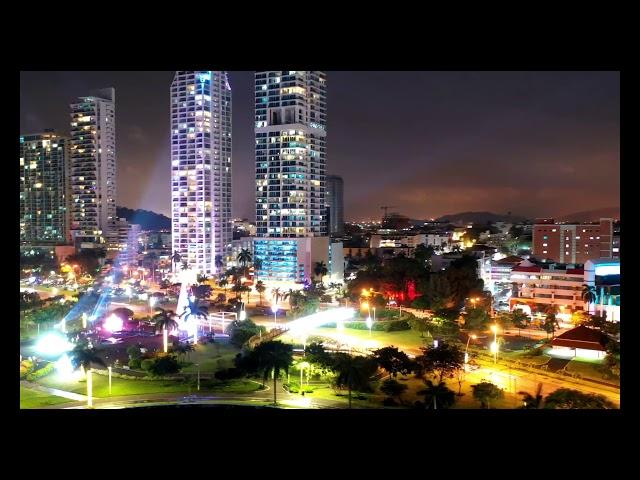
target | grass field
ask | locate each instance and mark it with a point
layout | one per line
(35, 399)
(211, 358)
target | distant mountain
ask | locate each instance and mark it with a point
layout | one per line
(591, 215)
(146, 219)
(480, 218)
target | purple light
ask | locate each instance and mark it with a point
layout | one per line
(113, 323)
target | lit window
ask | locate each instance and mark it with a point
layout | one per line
(544, 244)
(553, 229)
(544, 251)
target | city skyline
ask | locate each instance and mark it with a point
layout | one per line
(562, 126)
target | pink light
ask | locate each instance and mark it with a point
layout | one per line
(113, 323)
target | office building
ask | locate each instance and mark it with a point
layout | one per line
(201, 168)
(44, 195)
(335, 204)
(93, 170)
(290, 129)
(572, 243)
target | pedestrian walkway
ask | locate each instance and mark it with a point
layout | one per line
(54, 391)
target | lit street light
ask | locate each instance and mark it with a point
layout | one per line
(198, 365)
(84, 320)
(274, 309)
(466, 354)
(109, 368)
(369, 324)
(494, 345)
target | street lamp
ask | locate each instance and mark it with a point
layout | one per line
(302, 366)
(152, 302)
(84, 320)
(274, 309)
(198, 365)
(466, 354)
(494, 345)
(369, 324)
(109, 368)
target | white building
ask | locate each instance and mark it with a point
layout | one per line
(387, 241)
(93, 169)
(290, 134)
(201, 168)
(603, 275)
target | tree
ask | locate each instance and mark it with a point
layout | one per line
(238, 289)
(244, 257)
(484, 392)
(273, 357)
(320, 269)
(589, 294)
(476, 319)
(418, 325)
(260, 288)
(437, 395)
(441, 361)
(164, 320)
(532, 401)
(550, 324)
(519, 319)
(223, 283)
(201, 291)
(195, 308)
(352, 372)
(164, 365)
(257, 266)
(125, 314)
(242, 330)
(219, 263)
(393, 361)
(316, 354)
(175, 259)
(393, 388)
(565, 398)
(85, 357)
(276, 294)
(29, 300)
(185, 265)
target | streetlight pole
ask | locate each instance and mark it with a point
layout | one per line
(466, 350)
(494, 347)
(198, 365)
(109, 368)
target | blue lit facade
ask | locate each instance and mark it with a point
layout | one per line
(279, 260)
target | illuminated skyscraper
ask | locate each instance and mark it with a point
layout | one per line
(201, 168)
(290, 130)
(93, 169)
(44, 195)
(335, 204)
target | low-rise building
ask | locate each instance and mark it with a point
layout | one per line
(580, 342)
(603, 275)
(536, 286)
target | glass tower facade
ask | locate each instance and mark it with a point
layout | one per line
(290, 129)
(201, 168)
(43, 189)
(93, 168)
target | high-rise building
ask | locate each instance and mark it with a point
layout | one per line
(290, 129)
(335, 204)
(44, 196)
(93, 169)
(201, 168)
(572, 243)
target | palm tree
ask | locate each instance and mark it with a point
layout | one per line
(589, 294)
(320, 269)
(532, 401)
(257, 266)
(185, 265)
(260, 288)
(222, 283)
(219, 263)
(175, 259)
(273, 357)
(194, 309)
(550, 324)
(244, 257)
(85, 357)
(276, 294)
(438, 395)
(164, 320)
(335, 286)
(350, 371)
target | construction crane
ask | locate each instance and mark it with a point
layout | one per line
(386, 210)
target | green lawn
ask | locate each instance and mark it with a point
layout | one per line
(404, 338)
(588, 368)
(211, 357)
(121, 387)
(35, 399)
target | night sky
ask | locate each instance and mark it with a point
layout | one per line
(432, 143)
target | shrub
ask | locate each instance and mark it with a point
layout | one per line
(43, 372)
(144, 364)
(165, 365)
(229, 374)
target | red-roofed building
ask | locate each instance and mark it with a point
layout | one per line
(580, 342)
